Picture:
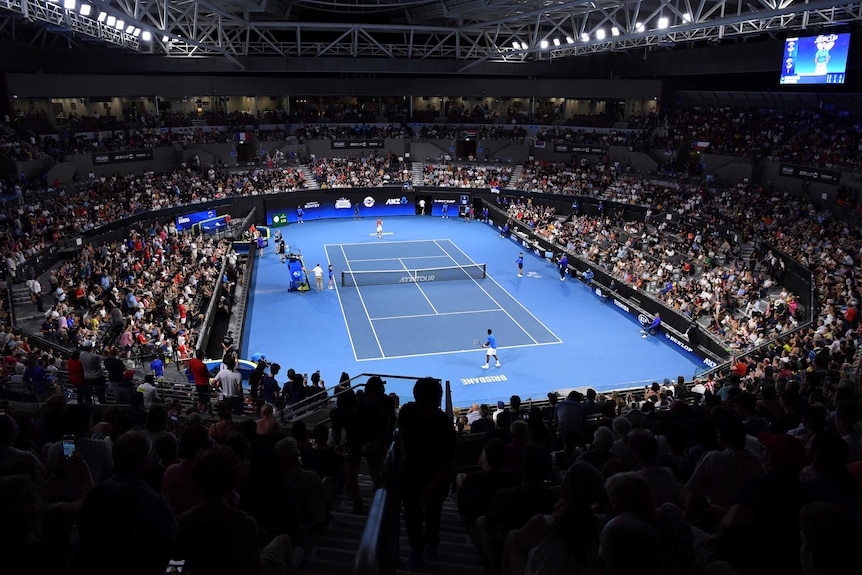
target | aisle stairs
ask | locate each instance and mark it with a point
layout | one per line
(515, 178)
(310, 181)
(334, 552)
(418, 173)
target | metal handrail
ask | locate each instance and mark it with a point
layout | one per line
(309, 404)
(379, 546)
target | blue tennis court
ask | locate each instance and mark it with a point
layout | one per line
(425, 297)
(551, 334)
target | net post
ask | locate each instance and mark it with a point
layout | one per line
(342, 279)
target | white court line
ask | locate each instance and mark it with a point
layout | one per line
(389, 259)
(510, 295)
(473, 350)
(371, 323)
(387, 243)
(341, 305)
(489, 295)
(437, 314)
(422, 291)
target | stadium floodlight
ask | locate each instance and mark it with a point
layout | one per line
(85, 9)
(543, 44)
(570, 40)
(525, 46)
(119, 25)
(165, 38)
(146, 36)
(136, 32)
(615, 31)
(585, 37)
(640, 27)
(130, 28)
(102, 16)
(111, 20)
(69, 4)
(556, 41)
(686, 17)
(663, 23)
(600, 34)
(516, 45)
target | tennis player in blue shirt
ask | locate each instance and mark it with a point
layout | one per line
(520, 262)
(490, 350)
(331, 276)
(564, 267)
(654, 325)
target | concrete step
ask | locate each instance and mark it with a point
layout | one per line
(447, 538)
(459, 555)
(334, 554)
(317, 566)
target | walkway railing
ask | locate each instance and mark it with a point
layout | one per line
(379, 547)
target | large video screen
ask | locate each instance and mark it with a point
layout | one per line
(815, 59)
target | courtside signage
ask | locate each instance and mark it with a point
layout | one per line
(411, 279)
(121, 157)
(356, 144)
(484, 379)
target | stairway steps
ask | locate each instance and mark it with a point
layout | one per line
(334, 551)
(317, 566)
(310, 182)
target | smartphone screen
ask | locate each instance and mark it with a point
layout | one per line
(68, 446)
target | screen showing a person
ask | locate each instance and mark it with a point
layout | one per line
(815, 59)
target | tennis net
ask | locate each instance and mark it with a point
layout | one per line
(386, 277)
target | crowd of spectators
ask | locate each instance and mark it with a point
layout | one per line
(806, 137)
(450, 131)
(355, 132)
(707, 480)
(69, 210)
(697, 274)
(88, 491)
(569, 178)
(467, 176)
(369, 171)
(159, 280)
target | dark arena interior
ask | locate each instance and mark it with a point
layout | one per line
(464, 287)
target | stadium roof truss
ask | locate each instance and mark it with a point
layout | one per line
(469, 32)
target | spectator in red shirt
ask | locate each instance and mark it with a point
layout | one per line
(201, 376)
(76, 373)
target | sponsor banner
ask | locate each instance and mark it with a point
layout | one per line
(483, 379)
(371, 204)
(580, 149)
(707, 361)
(356, 144)
(680, 342)
(186, 221)
(105, 158)
(811, 174)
